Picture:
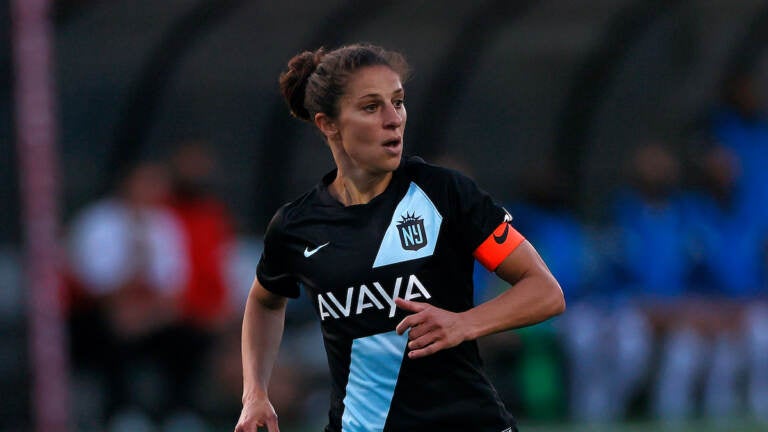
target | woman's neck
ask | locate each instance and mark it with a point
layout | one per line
(358, 188)
(353, 184)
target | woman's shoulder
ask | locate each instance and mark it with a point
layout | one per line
(293, 210)
(446, 186)
(419, 169)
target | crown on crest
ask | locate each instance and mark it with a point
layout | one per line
(409, 217)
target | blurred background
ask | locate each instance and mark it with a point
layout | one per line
(628, 139)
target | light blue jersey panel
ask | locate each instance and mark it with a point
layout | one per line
(412, 232)
(373, 370)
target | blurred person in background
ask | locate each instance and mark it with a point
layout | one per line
(209, 236)
(381, 221)
(547, 210)
(740, 124)
(731, 249)
(206, 309)
(588, 362)
(128, 265)
(651, 271)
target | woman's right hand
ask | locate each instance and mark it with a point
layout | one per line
(255, 414)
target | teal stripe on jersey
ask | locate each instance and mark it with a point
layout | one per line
(373, 370)
(412, 232)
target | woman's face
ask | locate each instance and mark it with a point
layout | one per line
(371, 120)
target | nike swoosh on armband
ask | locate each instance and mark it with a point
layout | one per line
(500, 239)
(495, 248)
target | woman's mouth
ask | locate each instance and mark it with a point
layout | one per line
(394, 142)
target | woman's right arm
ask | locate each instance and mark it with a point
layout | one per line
(262, 331)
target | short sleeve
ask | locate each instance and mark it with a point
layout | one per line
(273, 270)
(485, 226)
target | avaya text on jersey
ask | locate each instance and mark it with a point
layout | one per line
(330, 306)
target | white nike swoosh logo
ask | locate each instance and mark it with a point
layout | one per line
(308, 253)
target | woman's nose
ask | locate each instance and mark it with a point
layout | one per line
(392, 117)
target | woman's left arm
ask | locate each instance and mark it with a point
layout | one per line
(534, 296)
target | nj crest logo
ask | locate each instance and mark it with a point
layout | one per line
(412, 234)
(413, 230)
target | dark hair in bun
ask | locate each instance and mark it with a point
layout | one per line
(315, 81)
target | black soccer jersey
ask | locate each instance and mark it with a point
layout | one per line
(416, 241)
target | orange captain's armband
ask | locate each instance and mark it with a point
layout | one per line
(498, 246)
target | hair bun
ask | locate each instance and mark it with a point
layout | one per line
(293, 82)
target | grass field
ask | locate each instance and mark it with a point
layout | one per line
(693, 426)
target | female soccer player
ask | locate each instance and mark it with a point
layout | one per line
(384, 245)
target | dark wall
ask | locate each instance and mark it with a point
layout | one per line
(136, 76)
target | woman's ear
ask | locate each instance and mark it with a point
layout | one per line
(326, 125)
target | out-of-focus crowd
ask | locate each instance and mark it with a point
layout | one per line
(667, 313)
(667, 294)
(153, 309)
